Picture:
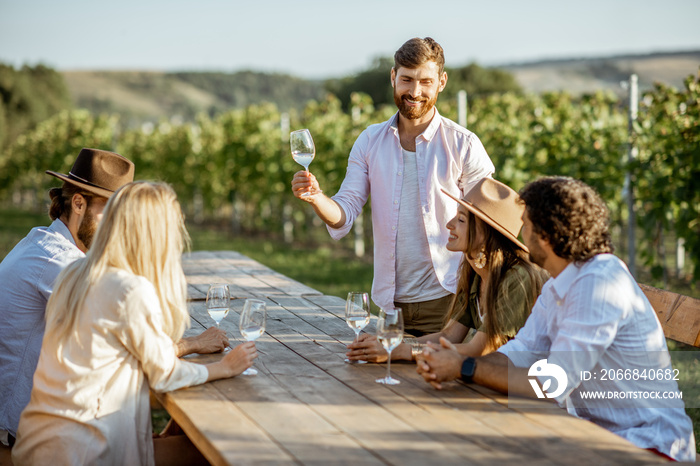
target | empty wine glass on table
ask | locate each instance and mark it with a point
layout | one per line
(303, 149)
(357, 316)
(389, 334)
(218, 302)
(252, 324)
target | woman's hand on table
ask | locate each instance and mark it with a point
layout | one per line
(234, 362)
(367, 348)
(241, 357)
(212, 340)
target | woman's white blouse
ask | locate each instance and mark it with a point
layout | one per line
(90, 402)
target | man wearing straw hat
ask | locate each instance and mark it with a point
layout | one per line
(402, 164)
(28, 272)
(593, 342)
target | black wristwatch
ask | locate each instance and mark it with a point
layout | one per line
(468, 368)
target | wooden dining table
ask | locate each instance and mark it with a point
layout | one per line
(307, 406)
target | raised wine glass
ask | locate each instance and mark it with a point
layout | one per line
(218, 302)
(357, 316)
(389, 334)
(252, 324)
(303, 149)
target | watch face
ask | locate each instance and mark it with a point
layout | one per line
(468, 367)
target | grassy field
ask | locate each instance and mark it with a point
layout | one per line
(325, 267)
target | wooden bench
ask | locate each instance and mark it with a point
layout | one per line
(679, 314)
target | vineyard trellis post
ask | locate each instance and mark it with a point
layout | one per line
(358, 226)
(629, 188)
(680, 257)
(287, 215)
(462, 108)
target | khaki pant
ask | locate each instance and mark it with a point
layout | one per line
(425, 317)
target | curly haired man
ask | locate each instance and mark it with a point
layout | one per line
(591, 319)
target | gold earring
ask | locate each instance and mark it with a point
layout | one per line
(480, 261)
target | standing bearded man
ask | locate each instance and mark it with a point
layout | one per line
(403, 163)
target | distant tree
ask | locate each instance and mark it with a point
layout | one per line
(245, 88)
(479, 81)
(375, 82)
(3, 124)
(29, 96)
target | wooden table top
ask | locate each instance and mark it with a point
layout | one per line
(306, 405)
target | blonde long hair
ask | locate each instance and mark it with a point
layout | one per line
(502, 255)
(142, 231)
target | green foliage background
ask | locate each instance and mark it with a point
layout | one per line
(27, 96)
(236, 165)
(475, 80)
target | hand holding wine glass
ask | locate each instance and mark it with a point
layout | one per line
(389, 334)
(218, 302)
(357, 316)
(252, 323)
(303, 150)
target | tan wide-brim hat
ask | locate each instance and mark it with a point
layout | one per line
(99, 172)
(496, 204)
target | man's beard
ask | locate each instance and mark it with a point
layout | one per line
(537, 255)
(413, 113)
(87, 228)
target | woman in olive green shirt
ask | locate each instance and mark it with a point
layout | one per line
(497, 284)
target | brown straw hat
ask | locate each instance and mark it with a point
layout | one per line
(496, 204)
(99, 171)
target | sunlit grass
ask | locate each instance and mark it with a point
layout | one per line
(15, 224)
(327, 267)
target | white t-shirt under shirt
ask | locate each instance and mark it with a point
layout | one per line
(416, 280)
(449, 157)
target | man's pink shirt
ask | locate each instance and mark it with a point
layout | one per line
(448, 156)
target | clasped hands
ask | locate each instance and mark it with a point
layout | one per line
(439, 363)
(436, 364)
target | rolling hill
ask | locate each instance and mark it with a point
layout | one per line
(148, 96)
(586, 75)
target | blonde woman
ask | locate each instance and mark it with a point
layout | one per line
(111, 325)
(497, 287)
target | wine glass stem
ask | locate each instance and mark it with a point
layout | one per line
(388, 367)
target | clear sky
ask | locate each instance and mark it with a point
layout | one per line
(328, 38)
